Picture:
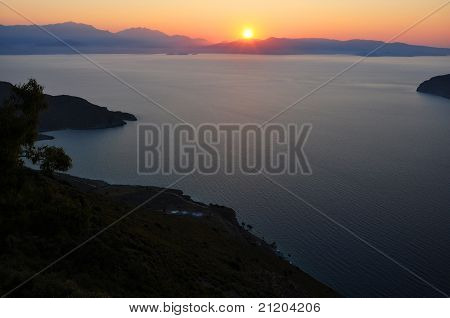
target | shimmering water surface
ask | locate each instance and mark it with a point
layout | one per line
(380, 153)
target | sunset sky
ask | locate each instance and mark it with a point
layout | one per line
(225, 20)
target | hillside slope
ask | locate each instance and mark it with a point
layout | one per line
(171, 247)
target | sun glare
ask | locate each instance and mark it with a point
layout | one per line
(247, 33)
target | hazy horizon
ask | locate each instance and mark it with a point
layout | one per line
(208, 42)
(218, 22)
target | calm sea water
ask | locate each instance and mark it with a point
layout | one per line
(380, 153)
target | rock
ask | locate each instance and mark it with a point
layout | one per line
(438, 85)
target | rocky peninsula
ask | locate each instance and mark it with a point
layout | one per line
(70, 112)
(438, 85)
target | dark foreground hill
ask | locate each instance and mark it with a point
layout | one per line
(438, 85)
(171, 247)
(69, 112)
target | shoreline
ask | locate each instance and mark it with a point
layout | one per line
(135, 195)
(175, 203)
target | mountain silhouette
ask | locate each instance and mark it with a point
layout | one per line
(284, 46)
(30, 39)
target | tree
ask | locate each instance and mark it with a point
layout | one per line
(50, 159)
(19, 117)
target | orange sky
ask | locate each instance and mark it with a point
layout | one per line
(220, 20)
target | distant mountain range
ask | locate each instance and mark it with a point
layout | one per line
(29, 39)
(284, 46)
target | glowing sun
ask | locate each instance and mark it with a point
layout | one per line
(247, 33)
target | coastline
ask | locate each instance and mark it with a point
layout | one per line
(173, 203)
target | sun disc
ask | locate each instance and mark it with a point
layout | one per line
(247, 33)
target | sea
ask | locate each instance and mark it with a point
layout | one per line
(373, 218)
